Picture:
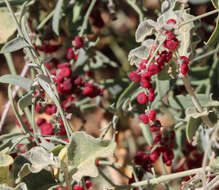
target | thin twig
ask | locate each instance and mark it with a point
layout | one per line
(199, 17)
(85, 22)
(137, 9)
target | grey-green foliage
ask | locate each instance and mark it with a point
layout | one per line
(82, 152)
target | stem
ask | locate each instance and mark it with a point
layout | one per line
(49, 16)
(199, 17)
(204, 55)
(137, 9)
(85, 22)
(212, 182)
(155, 52)
(157, 180)
(33, 122)
(195, 100)
(22, 125)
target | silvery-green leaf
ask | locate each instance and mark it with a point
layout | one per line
(184, 34)
(37, 159)
(57, 16)
(82, 152)
(162, 20)
(16, 80)
(144, 29)
(148, 43)
(139, 52)
(14, 45)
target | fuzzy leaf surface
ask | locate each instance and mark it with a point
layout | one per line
(16, 80)
(83, 151)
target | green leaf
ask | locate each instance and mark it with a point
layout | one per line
(144, 29)
(162, 87)
(191, 127)
(14, 45)
(180, 101)
(45, 82)
(38, 158)
(31, 168)
(57, 16)
(16, 80)
(83, 151)
(5, 161)
(25, 100)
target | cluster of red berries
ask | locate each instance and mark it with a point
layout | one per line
(69, 88)
(163, 143)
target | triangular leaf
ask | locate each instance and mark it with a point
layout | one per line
(192, 127)
(16, 80)
(83, 151)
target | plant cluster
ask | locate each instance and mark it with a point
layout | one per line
(71, 75)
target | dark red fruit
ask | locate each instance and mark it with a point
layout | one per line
(142, 98)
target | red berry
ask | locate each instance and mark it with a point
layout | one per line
(78, 42)
(66, 64)
(153, 69)
(152, 115)
(142, 98)
(145, 83)
(50, 109)
(88, 183)
(135, 77)
(170, 35)
(88, 91)
(79, 81)
(154, 155)
(46, 129)
(143, 64)
(97, 162)
(151, 96)
(171, 44)
(140, 158)
(65, 72)
(67, 85)
(171, 21)
(184, 60)
(144, 118)
(40, 121)
(157, 139)
(70, 54)
(78, 187)
(184, 68)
